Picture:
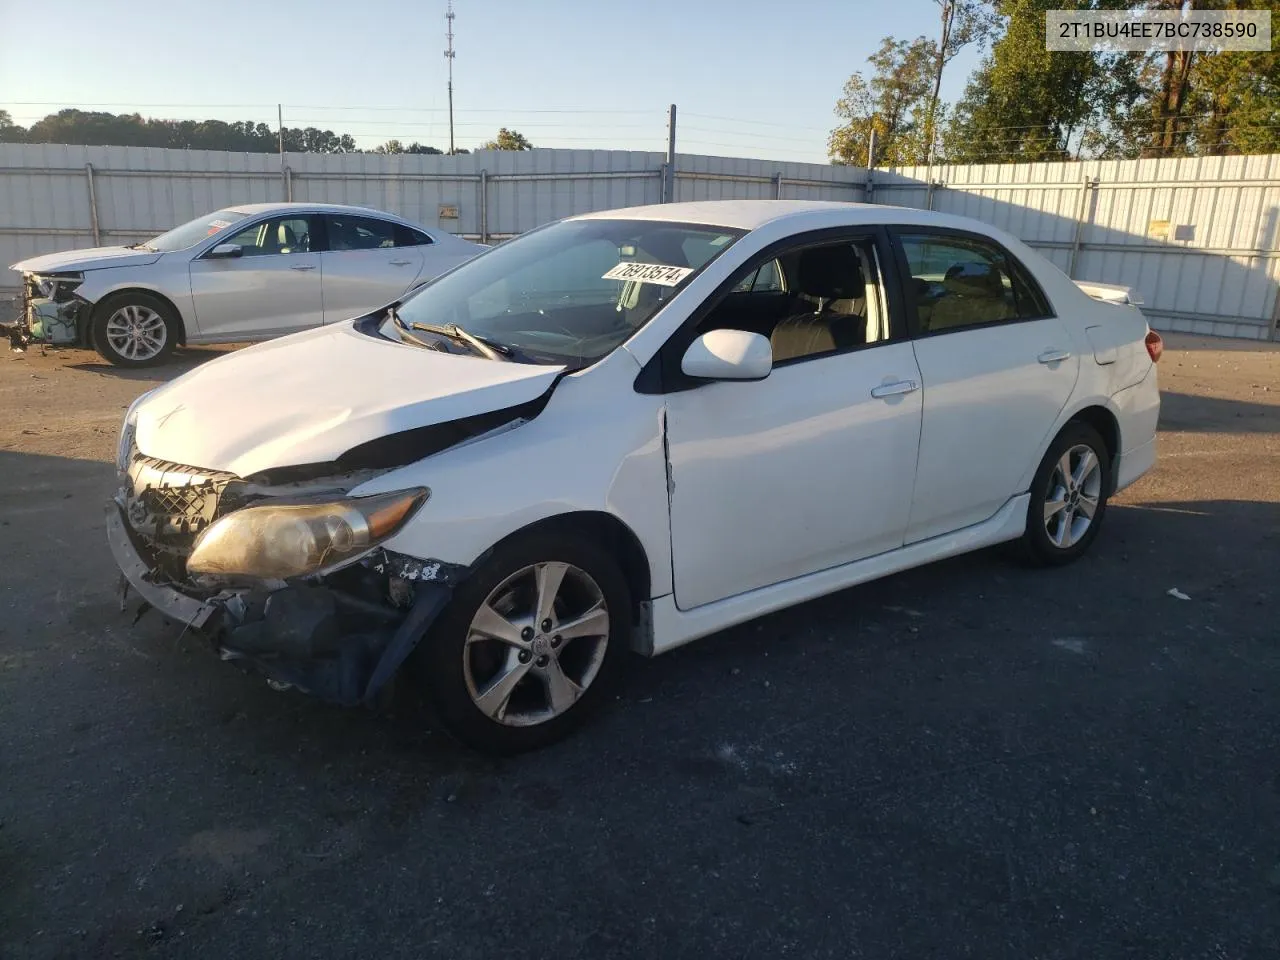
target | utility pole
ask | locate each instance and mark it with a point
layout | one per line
(284, 183)
(448, 55)
(669, 187)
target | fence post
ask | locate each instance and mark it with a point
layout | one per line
(288, 184)
(484, 206)
(868, 192)
(1082, 211)
(777, 186)
(93, 205)
(1275, 317)
(669, 171)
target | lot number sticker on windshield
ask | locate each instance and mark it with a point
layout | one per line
(649, 273)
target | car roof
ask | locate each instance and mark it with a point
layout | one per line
(256, 208)
(802, 214)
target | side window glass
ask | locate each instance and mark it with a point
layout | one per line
(360, 233)
(408, 237)
(958, 282)
(832, 302)
(766, 279)
(280, 235)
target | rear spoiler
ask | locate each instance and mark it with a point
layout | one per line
(1110, 293)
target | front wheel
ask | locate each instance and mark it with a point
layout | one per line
(134, 329)
(1068, 497)
(529, 646)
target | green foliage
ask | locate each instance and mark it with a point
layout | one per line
(395, 146)
(10, 132)
(893, 103)
(1026, 103)
(507, 140)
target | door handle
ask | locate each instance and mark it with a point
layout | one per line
(399, 263)
(894, 389)
(302, 266)
(1054, 356)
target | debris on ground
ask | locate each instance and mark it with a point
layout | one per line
(1176, 593)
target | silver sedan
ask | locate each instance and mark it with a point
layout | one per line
(248, 272)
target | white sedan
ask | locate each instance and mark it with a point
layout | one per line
(248, 272)
(625, 431)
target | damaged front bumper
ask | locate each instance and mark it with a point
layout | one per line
(319, 635)
(48, 321)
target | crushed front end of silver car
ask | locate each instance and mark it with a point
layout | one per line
(340, 635)
(49, 312)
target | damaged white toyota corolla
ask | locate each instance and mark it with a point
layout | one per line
(624, 431)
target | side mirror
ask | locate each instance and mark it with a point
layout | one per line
(225, 251)
(728, 355)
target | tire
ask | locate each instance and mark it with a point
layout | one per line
(1057, 537)
(458, 677)
(127, 326)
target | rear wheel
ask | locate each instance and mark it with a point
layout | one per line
(1068, 497)
(529, 646)
(134, 329)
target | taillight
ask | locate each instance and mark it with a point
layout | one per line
(1155, 346)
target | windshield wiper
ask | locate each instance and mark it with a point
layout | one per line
(140, 246)
(483, 346)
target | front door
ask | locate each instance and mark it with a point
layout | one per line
(997, 368)
(364, 267)
(811, 467)
(274, 287)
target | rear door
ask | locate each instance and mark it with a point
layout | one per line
(997, 370)
(364, 266)
(273, 287)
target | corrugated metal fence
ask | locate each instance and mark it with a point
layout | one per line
(1199, 238)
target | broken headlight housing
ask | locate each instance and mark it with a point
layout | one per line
(55, 286)
(278, 541)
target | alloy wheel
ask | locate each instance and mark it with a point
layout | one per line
(136, 333)
(1075, 489)
(535, 644)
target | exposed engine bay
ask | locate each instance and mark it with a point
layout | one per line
(50, 314)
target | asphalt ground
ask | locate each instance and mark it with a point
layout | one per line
(968, 760)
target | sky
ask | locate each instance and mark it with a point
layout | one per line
(750, 78)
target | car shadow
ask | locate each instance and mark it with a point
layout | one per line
(1199, 414)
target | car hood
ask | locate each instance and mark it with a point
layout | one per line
(93, 259)
(312, 396)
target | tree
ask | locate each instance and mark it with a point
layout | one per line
(1024, 102)
(893, 103)
(1183, 103)
(10, 132)
(507, 140)
(315, 140)
(395, 146)
(963, 22)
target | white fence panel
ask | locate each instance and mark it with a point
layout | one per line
(1198, 237)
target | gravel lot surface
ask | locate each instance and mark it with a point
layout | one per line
(968, 760)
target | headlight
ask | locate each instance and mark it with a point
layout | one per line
(127, 429)
(54, 284)
(278, 541)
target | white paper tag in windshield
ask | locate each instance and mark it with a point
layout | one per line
(648, 273)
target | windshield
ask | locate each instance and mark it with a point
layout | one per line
(568, 293)
(189, 234)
